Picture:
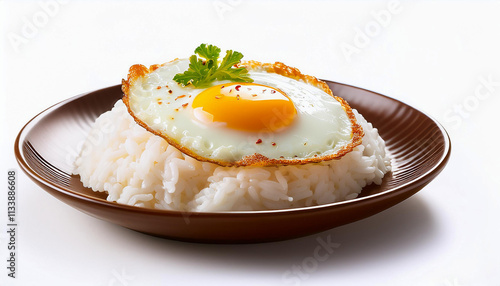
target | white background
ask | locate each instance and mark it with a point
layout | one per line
(435, 56)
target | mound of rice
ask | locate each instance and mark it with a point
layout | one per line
(136, 167)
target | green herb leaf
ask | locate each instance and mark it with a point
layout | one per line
(209, 52)
(206, 69)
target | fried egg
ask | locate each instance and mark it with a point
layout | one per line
(281, 118)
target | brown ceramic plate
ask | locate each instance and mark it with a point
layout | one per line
(418, 145)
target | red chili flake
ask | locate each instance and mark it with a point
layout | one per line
(258, 141)
(159, 101)
(190, 96)
(254, 95)
(274, 144)
(218, 97)
(237, 97)
(222, 87)
(166, 86)
(170, 91)
(158, 87)
(249, 88)
(237, 87)
(184, 105)
(264, 90)
(273, 91)
(180, 96)
(230, 90)
(177, 109)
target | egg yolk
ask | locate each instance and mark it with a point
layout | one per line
(246, 106)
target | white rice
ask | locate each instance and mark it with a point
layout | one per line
(136, 167)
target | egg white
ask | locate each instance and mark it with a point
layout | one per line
(321, 127)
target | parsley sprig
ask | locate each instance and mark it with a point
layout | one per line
(204, 67)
